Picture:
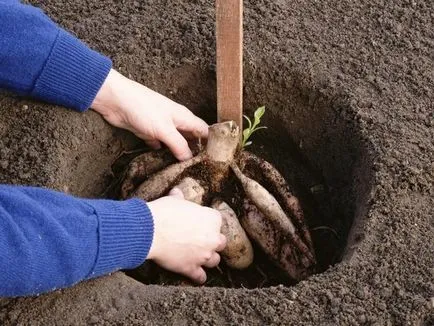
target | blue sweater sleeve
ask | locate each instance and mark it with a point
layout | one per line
(50, 240)
(41, 60)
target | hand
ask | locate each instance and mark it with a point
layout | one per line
(186, 236)
(148, 114)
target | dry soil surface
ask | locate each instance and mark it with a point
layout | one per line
(366, 68)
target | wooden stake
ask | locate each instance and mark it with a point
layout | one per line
(229, 37)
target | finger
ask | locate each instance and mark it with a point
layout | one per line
(186, 121)
(216, 217)
(176, 192)
(213, 261)
(176, 143)
(198, 275)
(189, 135)
(154, 144)
(222, 243)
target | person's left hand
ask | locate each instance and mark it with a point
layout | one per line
(148, 114)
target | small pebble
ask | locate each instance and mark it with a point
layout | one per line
(93, 320)
(293, 295)
(361, 294)
(362, 319)
(110, 313)
(119, 303)
(431, 303)
(382, 306)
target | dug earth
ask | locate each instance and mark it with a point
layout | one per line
(349, 90)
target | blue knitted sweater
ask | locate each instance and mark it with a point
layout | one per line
(49, 240)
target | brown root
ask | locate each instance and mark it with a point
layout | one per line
(238, 253)
(271, 209)
(192, 190)
(265, 217)
(222, 144)
(280, 245)
(141, 167)
(159, 183)
(266, 203)
(223, 140)
(289, 201)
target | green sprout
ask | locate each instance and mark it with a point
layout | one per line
(252, 127)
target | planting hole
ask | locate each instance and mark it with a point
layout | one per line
(311, 138)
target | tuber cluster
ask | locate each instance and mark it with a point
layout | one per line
(267, 214)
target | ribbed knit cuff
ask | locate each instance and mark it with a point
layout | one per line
(72, 75)
(126, 230)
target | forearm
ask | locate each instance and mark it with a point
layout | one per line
(39, 59)
(51, 240)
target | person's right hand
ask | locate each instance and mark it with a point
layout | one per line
(186, 236)
(149, 115)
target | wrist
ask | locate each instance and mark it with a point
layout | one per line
(153, 250)
(106, 100)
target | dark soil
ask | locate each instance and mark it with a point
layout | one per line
(348, 83)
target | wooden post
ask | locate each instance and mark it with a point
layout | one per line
(229, 38)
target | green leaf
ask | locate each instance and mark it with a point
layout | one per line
(252, 127)
(246, 135)
(249, 121)
(258, 115)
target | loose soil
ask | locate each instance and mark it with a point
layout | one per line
(349, 88)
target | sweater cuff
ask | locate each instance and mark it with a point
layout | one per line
(72, 75)
(125, 234)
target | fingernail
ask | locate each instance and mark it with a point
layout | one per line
(176, 192)
(186, 156)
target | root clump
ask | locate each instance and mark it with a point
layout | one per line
(217, 177)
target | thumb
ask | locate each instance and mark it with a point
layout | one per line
(176, 192)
